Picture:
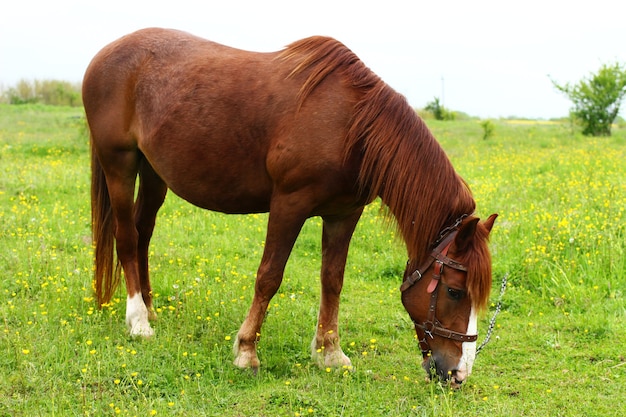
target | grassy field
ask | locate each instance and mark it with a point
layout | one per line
(559, 348)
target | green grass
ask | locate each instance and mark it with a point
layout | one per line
(558, 349)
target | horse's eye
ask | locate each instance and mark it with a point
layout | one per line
(455, 294)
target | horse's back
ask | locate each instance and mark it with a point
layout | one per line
(221, 126)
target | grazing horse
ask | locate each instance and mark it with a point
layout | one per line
(306, 131)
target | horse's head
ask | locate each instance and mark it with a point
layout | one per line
(444, 294)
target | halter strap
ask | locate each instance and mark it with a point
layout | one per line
(438, 254)
(432, 327)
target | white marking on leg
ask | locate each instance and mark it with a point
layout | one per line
(244, 356)
(137, 317)
(469, 349)
(317, 354)
(334, 358)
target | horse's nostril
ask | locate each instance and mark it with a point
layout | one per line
(458, 377)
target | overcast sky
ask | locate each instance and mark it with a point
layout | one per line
(485, 58)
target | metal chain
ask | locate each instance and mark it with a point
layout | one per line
(448, 229)
(492, 322)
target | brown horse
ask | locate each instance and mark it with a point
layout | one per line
(307, 131)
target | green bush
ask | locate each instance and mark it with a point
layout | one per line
(50, 92)
(439, 111)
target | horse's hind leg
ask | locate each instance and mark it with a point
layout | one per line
(152, 191)
(336, 235)
(121, 167)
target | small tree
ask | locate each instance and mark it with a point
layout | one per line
(597, 99)
(488, 129)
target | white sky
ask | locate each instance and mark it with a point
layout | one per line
(487, 58)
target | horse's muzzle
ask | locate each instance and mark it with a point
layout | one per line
(436, 370)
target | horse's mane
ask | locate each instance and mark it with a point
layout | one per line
(400, 159)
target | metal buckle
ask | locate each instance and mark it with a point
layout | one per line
(429, 328)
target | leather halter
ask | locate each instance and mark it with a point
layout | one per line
(439, 255)
(432, 327)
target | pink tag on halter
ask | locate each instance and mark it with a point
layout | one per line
(437, 272)
(433, 284)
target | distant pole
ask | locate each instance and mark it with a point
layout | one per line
(442, 96)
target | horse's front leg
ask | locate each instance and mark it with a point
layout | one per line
(336, 235)
(284, 225)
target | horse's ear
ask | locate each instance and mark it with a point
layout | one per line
(489, 222)
(465, 235)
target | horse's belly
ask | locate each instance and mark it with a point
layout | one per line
(220, 182)
(244, 195)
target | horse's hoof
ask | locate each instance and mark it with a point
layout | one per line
(247, 361)
(335, 359)
(142, 330)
